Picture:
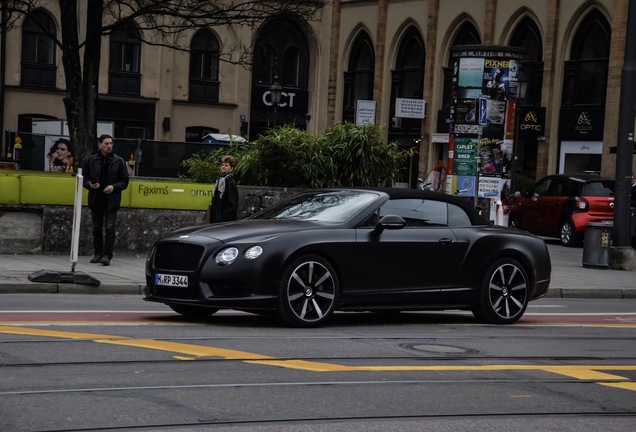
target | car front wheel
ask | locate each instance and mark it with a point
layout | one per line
(504, 294)
(308, 292)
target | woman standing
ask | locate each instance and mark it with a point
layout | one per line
(225, 199)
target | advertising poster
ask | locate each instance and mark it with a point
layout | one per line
(465, 154)
(496, 84)
(495, 111)
(465, 186)
(471, 72)
(491, 152)
(58, 155)
(467, 111)
(489, 187)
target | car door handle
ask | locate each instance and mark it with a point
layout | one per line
(446, 241)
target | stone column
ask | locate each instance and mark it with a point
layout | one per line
(334, 47)
(491, 19)
(380, 45)
(550, 144)
(425, 164)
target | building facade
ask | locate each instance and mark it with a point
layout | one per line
(383, 51)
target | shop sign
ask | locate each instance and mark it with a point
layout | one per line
(531, 121)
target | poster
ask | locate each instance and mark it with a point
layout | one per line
(58, 155)
(465, 154)
(496, 81)
(471, 71)
(467, 111)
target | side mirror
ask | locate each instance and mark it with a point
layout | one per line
(390, 222)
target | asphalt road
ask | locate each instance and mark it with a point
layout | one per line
(80, 362)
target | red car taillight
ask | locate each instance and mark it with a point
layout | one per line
(582, 204)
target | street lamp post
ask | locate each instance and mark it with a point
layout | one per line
(522, 88)
(275, 92)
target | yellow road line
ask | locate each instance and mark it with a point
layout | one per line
(580, 372)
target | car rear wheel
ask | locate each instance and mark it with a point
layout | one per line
(308, 293)
(504, 294)
(567, 235)
(195, 312)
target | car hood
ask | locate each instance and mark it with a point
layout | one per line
(248, 228)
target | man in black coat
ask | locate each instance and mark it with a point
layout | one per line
(105, 176)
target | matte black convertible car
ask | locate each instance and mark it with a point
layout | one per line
(351, 250)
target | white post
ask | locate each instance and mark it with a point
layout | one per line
(77, 218)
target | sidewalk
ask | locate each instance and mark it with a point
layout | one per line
(125, 275)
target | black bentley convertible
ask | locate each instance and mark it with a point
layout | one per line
(371, 249)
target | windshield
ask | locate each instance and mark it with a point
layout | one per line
(331, 206)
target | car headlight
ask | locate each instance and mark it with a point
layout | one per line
(226, 256)
(253, 252)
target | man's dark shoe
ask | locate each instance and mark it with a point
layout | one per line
(105, 260)
(96, 259)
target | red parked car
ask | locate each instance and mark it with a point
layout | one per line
(561, 205)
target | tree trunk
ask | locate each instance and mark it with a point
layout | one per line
(74, 100)
(92, 58)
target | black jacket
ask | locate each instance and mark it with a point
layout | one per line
(226, 208)
(117, 176)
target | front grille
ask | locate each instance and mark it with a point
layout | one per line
(174, 293)
(178, 256)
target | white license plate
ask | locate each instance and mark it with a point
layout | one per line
(171, 280)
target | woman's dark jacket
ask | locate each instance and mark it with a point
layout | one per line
(117, 176)
(225, 208)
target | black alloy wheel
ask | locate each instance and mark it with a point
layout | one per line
(505, 293)
(308, 292)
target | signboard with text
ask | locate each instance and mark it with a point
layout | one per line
(410, 108)
(365, 112)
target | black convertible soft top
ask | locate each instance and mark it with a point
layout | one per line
(404, 193)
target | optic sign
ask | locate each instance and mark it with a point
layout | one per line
(410, 108)
(286, 99)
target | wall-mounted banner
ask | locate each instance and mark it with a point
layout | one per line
(410, 108)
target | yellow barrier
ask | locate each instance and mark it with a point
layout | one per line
(36, 187)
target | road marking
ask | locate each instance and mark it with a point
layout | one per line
(581, 372)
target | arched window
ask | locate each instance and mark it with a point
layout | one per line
(38, 51)
(204, 67)
(408, 77)
(358, 79)
(585, 75)
(264, 60)
(527, 36)
(125, 58)
(291, 67)
(282, 55)
(467, 35)
(407, 80)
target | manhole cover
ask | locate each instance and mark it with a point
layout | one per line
(439, 349)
